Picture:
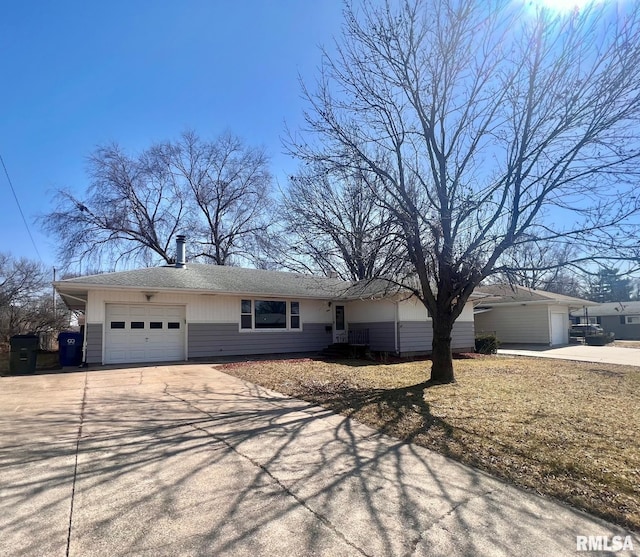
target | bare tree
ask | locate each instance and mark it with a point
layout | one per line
(25, 304)
(228, 186)
(135, 205)
(488, 124)
(541, 265)
(19, 279)
(335, 224)
(132, 211)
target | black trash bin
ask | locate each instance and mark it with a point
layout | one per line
(24, 353)
(70, 348)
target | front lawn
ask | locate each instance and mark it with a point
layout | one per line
(565, 429)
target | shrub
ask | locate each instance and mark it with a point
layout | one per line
(487, 343)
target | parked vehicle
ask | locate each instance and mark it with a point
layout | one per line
(585, 330)
(592, 334)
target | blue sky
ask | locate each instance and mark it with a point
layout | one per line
(78, 74)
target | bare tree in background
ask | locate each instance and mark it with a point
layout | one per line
(26, 302)
(543, 266)
(217, 192)
(334, 223)
(133, 209)
(228, 187)
(488, 124)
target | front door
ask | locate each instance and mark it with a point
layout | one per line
(339, 325)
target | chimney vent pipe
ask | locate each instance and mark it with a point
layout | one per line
(181, 254)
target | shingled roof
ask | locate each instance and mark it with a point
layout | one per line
(497, 294)
(214, 278)
(615, 308)
(230, 280)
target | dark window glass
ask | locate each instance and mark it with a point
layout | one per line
(117, 324)
(339, 318)
(295, 315)
(173, 325)
(245, 321)
(155, 325)
(137, 324)
(246, 306)
(622, 320)
(270, 314)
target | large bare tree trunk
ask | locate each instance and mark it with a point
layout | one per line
(441, 357)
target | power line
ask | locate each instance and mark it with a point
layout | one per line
(20, 209)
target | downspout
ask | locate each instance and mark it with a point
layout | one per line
(84, 342)
(396, 328)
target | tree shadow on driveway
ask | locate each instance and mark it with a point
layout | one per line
(200, 463)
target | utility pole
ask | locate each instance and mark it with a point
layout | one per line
(55, 313)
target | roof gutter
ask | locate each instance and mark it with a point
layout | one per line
(64, 287)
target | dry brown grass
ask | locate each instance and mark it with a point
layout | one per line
(565, 429)
(627, 343)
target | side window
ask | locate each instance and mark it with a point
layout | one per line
(295, 315)
(246, 315)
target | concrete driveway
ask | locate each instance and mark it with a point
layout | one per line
(185, 460)
(580, 353)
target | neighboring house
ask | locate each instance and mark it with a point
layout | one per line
(519, 315)
(620, 318)
(192, 311)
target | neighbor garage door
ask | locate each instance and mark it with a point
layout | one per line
(559, 329)
(144, 333)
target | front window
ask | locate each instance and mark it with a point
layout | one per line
(295, 315)
(246, 316)
(633, 319)
(269, 314)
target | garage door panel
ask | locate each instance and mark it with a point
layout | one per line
(138, 341)
(559, 331)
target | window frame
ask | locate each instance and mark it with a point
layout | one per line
(252, 315)
(632, 319)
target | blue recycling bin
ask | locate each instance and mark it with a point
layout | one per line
(70, 348)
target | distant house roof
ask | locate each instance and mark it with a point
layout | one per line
(614, 308)
(197, 277)
(502, 294)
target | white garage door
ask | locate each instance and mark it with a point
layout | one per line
(144, 333)
(559, 330)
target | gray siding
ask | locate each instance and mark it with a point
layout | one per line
(381, 335)
(207, 340)
(611, 323)
(93, 332)
(416, 337)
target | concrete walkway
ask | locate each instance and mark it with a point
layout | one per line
(580, 353)
(184, 460)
